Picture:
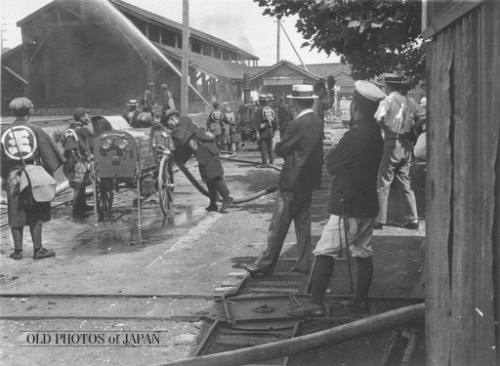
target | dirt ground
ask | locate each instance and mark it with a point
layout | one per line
(191, 254)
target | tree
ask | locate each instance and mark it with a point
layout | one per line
(373, 36)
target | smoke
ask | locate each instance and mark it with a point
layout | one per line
(230, 28)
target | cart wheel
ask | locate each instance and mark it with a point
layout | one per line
(105, 194)
(166, 186)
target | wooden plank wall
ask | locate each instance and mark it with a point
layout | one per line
(463, 192)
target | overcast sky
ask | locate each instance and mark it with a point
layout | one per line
(239, 22)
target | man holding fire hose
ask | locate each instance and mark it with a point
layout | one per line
(188, 137)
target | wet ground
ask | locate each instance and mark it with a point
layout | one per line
(170, 272)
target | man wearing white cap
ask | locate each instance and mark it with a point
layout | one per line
(24, 144)
(353, 202)
(301, 149)
(131, 115)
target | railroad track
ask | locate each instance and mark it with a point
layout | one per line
(42, 121)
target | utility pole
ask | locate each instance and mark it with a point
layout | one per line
(3, 31)
(185, 58)
(278, 42)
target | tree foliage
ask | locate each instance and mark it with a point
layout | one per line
(373, 36)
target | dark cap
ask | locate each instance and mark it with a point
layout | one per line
(79, 112)
(396, 78)
(20, 103)
(169, 113)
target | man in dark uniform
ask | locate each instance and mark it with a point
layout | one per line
(284, 116)
(300, 175)
(78, 143)
(353, 202)
(325, 97)
(23, 143)
(167, 100)
(147, 99)
(188, 137)
(131, 115)
(264, 125)
(216, 122)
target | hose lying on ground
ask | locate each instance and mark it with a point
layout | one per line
(203, 191)
(231, 158)
(359, 328)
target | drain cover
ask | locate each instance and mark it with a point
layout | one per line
(264, 308)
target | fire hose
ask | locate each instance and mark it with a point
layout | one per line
(359, 328)
(203, 191)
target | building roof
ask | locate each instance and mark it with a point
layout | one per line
(325, 70)
(291, 65)
(12, 52)
(154, 19)
(194, 33)
(209, 65)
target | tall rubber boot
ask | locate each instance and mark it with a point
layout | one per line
(321, 276)
(365, 276)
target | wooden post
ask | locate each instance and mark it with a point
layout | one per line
(185, 60)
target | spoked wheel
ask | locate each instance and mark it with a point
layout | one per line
(166, 186)
(105, 194)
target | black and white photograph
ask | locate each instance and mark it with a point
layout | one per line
(250, 182)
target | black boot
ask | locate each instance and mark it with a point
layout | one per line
(321, 276)
(365, 275)
(212, 207)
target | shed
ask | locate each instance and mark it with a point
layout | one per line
(100, 54)
(463, 183)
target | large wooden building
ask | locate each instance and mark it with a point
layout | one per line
(463, 183)
(101, 53)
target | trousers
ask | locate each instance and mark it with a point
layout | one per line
(217, 185)
(333, 241)
(289, 207)
(395, 163)
(266, 149)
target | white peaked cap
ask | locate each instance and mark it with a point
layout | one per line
(369, 90)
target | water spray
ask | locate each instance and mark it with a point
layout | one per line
(126, 26)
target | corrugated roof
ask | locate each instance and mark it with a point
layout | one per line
(153, 18)
(209, 65)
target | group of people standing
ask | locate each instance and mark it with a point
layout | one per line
(141, 111)
(374, 150)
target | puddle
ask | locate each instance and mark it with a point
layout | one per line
(120, 233)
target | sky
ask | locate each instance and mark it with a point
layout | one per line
(239, 22)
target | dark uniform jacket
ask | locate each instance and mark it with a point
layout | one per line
(354, 163)
(264, 122)
(77, 150)
(131, 119)
(301, 147)
(215, 122)
(37, 147)
(206, 151)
